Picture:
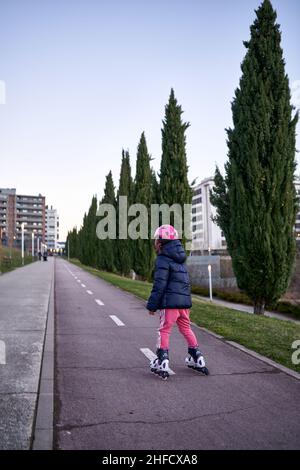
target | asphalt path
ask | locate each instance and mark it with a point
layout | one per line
(107, 398)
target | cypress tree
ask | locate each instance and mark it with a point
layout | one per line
(72, 242)
(106, 247)
(91, 237)
(256, 201)
(124, 260)
(174, 187)
(84, 241)
(143, 253)
(87, 238)
(154, 188)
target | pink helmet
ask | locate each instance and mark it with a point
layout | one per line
(166, 232)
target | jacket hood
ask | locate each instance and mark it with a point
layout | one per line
(175, 251)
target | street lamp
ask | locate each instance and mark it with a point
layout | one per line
(22, 227)
(210, 283)
(32, 244)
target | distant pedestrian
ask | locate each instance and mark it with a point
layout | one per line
(40, 255)
(171, 295)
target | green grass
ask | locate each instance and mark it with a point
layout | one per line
(16, 259)
(241, 298)
(270, 337)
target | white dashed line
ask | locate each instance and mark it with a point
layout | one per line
(83, 285)
(78, 280)
(99, 302)
(2, 353)
(116, 320)
(90, 292)
(150, 355)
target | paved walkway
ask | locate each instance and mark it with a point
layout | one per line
(24, 299)
(247, 308)
(106, 397)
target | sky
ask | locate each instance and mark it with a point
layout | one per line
(84, 78)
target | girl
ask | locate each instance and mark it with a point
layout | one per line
(171, 294)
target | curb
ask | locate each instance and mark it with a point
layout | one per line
(256, 355)
(43, 427)
(266, 360)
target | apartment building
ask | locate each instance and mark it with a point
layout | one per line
(52, 229)
(16, 209)
(7, 214)
(31, 211)
(206, 234)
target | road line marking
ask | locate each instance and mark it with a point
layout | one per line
(78, 280)
(2, 353)
(116, 320)
(90, 292)
(99, 302)
(150, 355)
(83, 285)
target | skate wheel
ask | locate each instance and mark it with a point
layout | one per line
(163, 375)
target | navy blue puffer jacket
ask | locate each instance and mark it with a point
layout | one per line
(171, 287)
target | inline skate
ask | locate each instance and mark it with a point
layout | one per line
(160, 364)
(196, 361)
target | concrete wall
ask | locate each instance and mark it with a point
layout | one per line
(222, 274)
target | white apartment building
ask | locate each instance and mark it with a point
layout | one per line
(52, 228)
(206, 234)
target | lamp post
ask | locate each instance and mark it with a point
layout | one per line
(210, 283)
(22, 227)
(32, 244)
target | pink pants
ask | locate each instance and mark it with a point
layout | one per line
(168, 318)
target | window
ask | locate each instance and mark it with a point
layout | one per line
(197, 236)
(197, 201)
(197, 192)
